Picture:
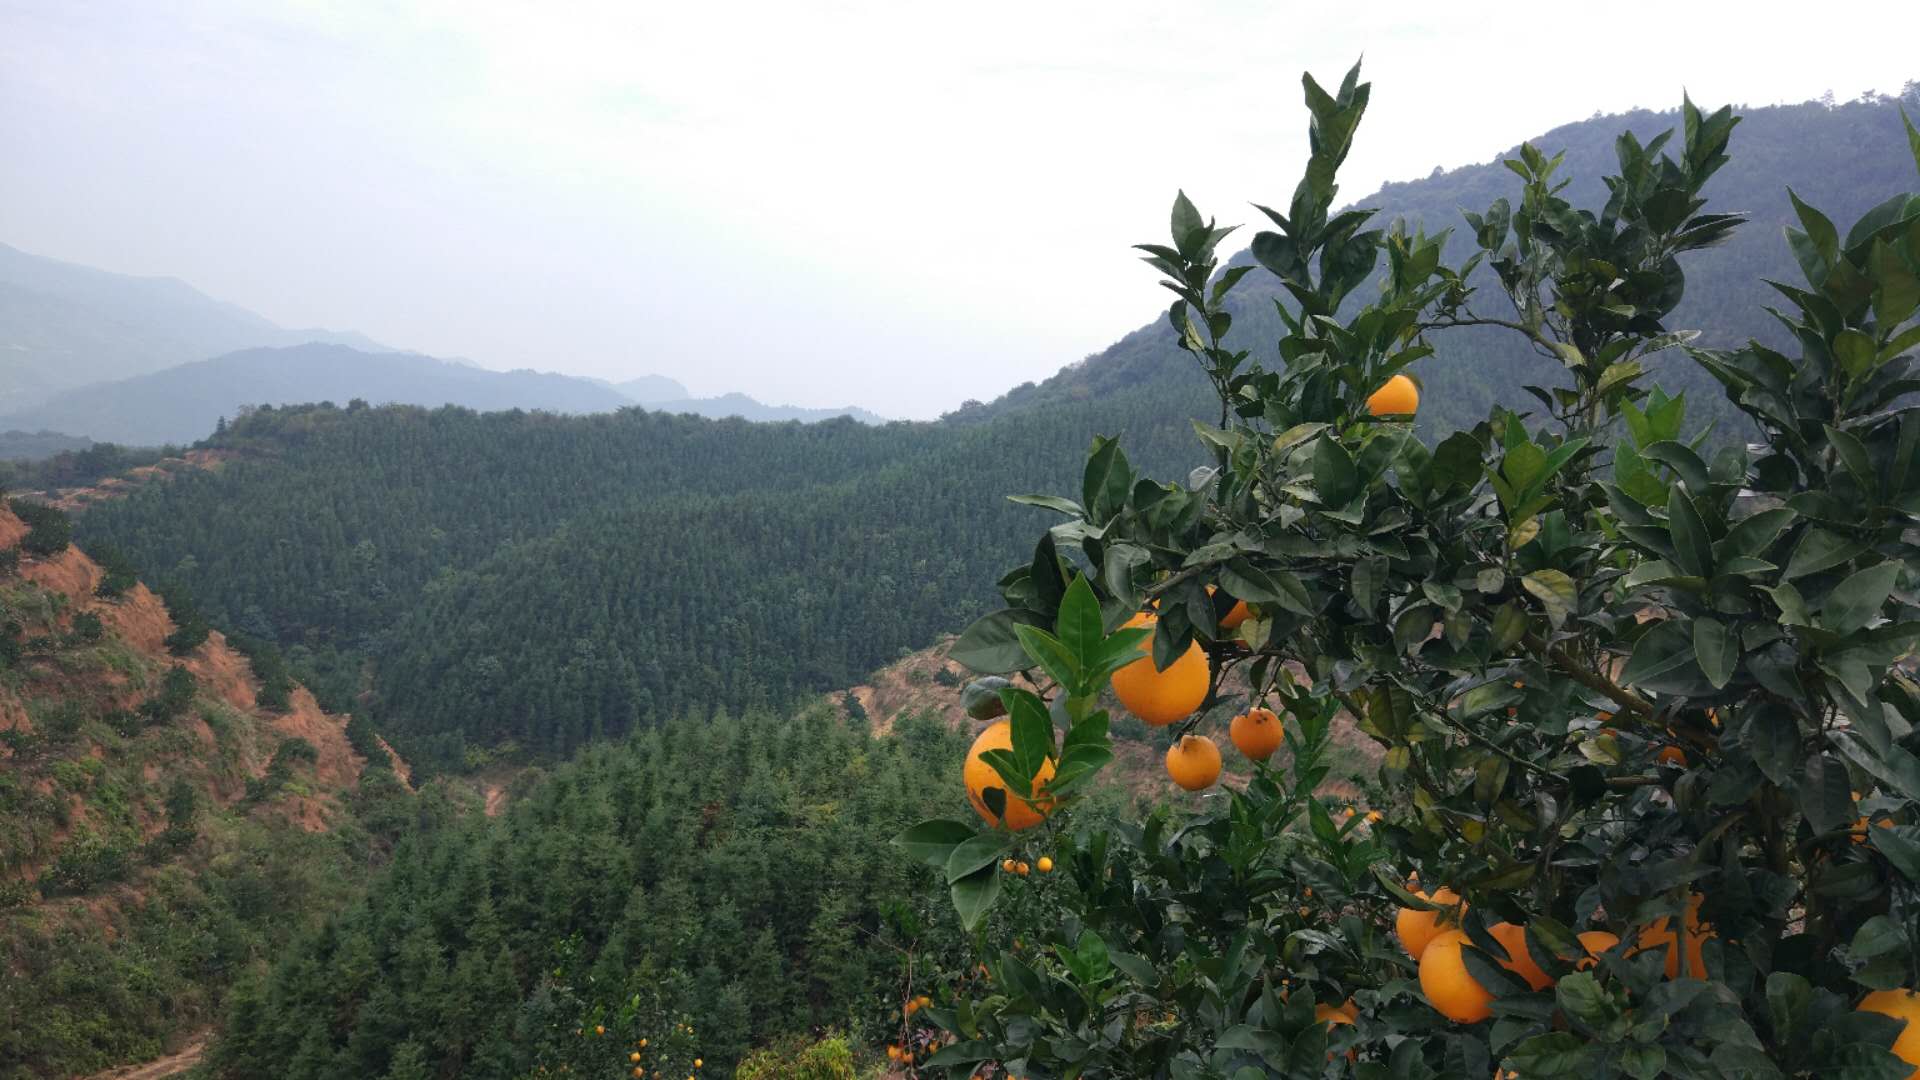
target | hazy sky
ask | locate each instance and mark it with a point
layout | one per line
(893, 204)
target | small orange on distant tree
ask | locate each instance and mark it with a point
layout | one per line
(1045, 865)
(1398, 396)
(1021, 868)
(1194, 762)
(1257, 733)
(1672, 755)
(1162, 697)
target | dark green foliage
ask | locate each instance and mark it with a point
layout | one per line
(9, 562)
(270, 667)
(738, 863)
(551, 580)
(49, 530)
(87, 628)
(84, 864)
(170, 702)
(117, 574)
(79, 466)
(190, 625)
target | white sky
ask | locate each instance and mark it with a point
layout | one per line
(892, 204)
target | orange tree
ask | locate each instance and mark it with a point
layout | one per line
(1622, 679)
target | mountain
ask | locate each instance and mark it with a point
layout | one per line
(1843, 159)
(746, 408)
(648, 389)
(33, 445)
(539, 582)
(184, 403)
(170, 809)
(63, 325)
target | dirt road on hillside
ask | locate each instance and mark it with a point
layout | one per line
(161, 1068)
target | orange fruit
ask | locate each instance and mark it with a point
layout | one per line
(1194, 762)
(1417, 927)
(599, 1029)
(1045, 865)
(1256, 733)
(1449, 987)
(1672, 755)
(979, 776)
(1021, 868)
(1595, 942)
(1901, 1005)
(1513, 938)
(634, 1057)
(1660, 935)
(1344, 1013)
(1162, 697)
(1398, 396)
(1007, 865)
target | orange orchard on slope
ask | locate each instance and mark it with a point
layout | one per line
(980, 776)
(1194, 762)
(1901, 1005)
(1449, 987)
(1161, 697)
(1398, 396)
(1257, 733)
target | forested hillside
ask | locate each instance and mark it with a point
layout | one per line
(549, 580)
(1845, 158)
(170, 814)
(726, 873)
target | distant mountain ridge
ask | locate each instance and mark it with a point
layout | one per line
(183, 404)
(63, 325)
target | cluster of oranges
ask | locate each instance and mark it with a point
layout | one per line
(636, 1055)
(1021, 867)
(926, 1047)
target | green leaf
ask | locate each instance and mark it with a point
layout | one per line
(1773, 738)
(990, 646)
(979, 850)
(932, 842)
(1858, 599)
(961, 1054)
(1691, 543)
(1557, 1054)
(1788, 998)
(1079, 625)
(1032, 734)
(1188, 230)
(1108, 479)
(1820, 550)
(973, 896)
(1049, 502)
(1048, 652)
(1555, 591)
(1334, 476)
(1660, 651)
(1245, 581)
(1717, 648)
(981, 698)
(1824, 795)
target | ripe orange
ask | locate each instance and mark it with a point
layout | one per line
(1021, 868)
(1901, 1005)
(634, 1057)
(1595, 942)
(1007, 865)
(1045, 865)
(1398, 396)
(1257, 733)
(1162, 697)
(1660, 935)
(979, 776)
(1672, 755)
(1513, 938)
(1449, 987)
(1344, 1013)
(1417, 928)
(599, 1029)
(1193, 762)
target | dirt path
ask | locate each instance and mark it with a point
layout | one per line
(160, 1068)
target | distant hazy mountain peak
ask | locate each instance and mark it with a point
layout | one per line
(648, 389)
